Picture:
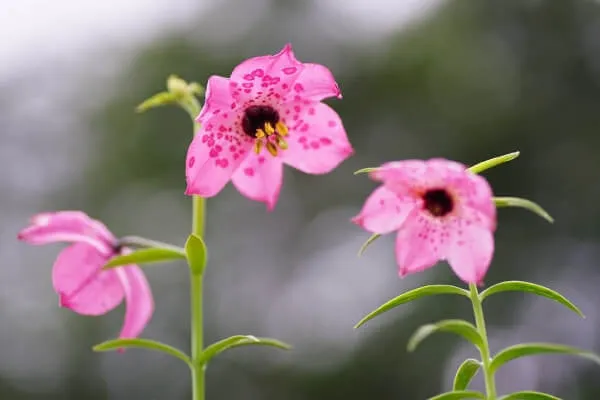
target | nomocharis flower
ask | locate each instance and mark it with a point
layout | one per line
(441, 211)
(268, 113)
(77, 275)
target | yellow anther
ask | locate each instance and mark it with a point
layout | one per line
(282, 143)
(269, 128)
(271, 148)
(258, 146)
(282, 130)
(260, 133)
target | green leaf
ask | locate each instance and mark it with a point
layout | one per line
(237, 341)
(159, 99)
(118, 344)
(530, 349)
(462, 394)
(365, 170)
(465, 373)
(519, 286)
(410, 296)
(493, 162)
(523, 203)
(370, 240)
(196, 252)
(144, 256)
(457, 326)
(529, 395)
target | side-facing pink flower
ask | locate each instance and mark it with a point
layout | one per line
(77, 275)
(268, 113)
(441, 211)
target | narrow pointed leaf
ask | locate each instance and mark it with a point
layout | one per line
(145, 256)
(370, 240)
(459, 395)
(520, 286)
(529, 395)
(365, 170)
(119, 344)
(465, 373)
(410, 296)
(493, 162)
(237, 341)
(530, 349)
(159, 99)
(142, 242)
(523, 203)
(457, 326)
(196, 253)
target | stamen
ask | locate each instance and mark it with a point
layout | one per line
(271, 148)
(260, 134)
(282, 130)
(258, 146)
(269, 128)
(282, 143)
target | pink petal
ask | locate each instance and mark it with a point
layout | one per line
(68, 226)
(317, 139)
(260, 178)
(470, 252)
(384, 211)
(214, 154)
(258, 76)
(476, 194)
(315, 83)
(81, 284)
(138, 300)
(218, 98)
(420, 243)
(408, 176)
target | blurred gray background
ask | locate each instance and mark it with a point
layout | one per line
(461, 79)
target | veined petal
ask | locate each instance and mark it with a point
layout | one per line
(315, 83)
(218, 98)
(214, 154)
(68, 226)
(470, 252)
(139, 302)
(317, 139)
(258, 76)
(260, 178)
(80, 282)
(420, 243)
(384, 211)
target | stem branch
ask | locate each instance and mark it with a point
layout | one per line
(488, 376)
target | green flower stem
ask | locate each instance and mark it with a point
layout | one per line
(488, 376)
(196, 281)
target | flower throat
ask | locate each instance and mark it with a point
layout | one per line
(438, 202)
(263, 124)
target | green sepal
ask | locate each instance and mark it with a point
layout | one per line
(119, 344)
(178, 92)
(529, 395)
(457, 326)
(530, 349)
(196, 253)
(520, 286)
(523, 203)
(462, 394)
(366, 244)
(411, 295)
(145, 256)
(237, 341)
(465, 373)
(493, 162)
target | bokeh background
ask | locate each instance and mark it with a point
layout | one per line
(461, 79)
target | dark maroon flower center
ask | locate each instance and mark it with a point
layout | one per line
(438, 202)
(256, 117)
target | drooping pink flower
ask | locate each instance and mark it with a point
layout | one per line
(441, 211)
(268, 113)
(77, 275)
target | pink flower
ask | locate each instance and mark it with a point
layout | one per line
(441, 211)
(77, 277)
(268, 113)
